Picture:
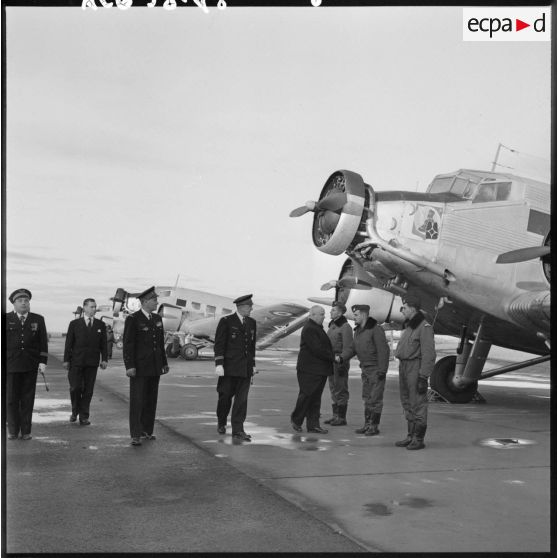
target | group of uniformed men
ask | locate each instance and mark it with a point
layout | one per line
(322, 357)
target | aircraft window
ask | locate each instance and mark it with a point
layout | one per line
(196, 305)
(496, 191)
(442, 184)
(210, 310)
(164, 293)
(180, 302)
(462, 187)
(226, 311)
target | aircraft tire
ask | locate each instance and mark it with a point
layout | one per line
(171, 351)
(441, 381)
(189, 351)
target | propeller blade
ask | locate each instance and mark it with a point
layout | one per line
(328, 221)
(523, 254)
(308, 206)
(329, 285)
(332, 202)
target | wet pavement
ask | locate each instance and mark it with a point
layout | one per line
(481, 485)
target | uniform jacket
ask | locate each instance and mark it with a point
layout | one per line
(316, 354)
(417, 343)
(84, 346)
(235, 345)
(27, 346)
(370, 346)
(144, 344)
(341, 336)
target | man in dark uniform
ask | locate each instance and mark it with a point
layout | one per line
(27, 354)
(235, 364)
(145, 360)
(313, 366)
(86, 341)
(417, 356)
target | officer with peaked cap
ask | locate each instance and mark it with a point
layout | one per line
(341, 336)
(26, 356)
(417, 355)
(145, 361)
(235, 364)
(371, 348)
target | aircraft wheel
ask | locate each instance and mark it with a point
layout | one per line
(441, 381)
(171, 351)
(119, 344)
(189, 352)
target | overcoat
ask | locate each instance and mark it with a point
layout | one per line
(316, 354)
(235, 345)
(27, 345)
(85, 345)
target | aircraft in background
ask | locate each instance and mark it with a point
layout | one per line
(190, 319)
(475, 247)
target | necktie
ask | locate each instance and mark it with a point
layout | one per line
(244, 322)
(22, 318)
(89, 323)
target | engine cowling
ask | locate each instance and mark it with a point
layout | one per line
(334, 230)
(172, 317)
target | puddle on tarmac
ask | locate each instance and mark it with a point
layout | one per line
(414, 502)
(381, 509)
(377, 509)
(506, 443)
(262, 435)
(47, 410)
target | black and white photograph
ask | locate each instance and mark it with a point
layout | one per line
(276, 277)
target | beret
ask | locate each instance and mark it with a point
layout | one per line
(245, 299)
(361, 308)
(20, 293)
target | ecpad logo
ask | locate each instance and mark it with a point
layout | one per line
(506, 24)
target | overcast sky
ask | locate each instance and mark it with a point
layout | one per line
(145, 144)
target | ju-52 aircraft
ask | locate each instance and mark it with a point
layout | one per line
(475, 247)
(190, 319)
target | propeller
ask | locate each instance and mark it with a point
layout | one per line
(332, 202)
(523, 254)
(329, 285)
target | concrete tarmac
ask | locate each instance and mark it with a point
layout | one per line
(481, 485)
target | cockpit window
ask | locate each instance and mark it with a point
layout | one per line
(458, 185)
(440, 185)
(492, 191)
(163, 294)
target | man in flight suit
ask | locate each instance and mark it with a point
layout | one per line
(26, 356)
(86, 341)
(371, 348)
(235, 364)
(145, 361)
(417, 355)
(341, 336)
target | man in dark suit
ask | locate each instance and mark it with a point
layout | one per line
(86, 342)
(314, 365)
(235, 364)
(26, 356)
(145, 361)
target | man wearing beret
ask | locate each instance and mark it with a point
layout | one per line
(371, 348)
(341, 336)
(313, 366)
(27, 354)
(86, 343)
(417, 355)
(145, 361)
(235, 364)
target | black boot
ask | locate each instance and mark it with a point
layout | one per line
(341, 419)
(334, 409)
(410, 429)
(367, 418)
(418, 438)
(374, 422)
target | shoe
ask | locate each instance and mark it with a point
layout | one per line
(12, 436)
(372, 430)
(136, 442)
(84, 422)
(26, 437)
(222, 429)
(338, 421)
(296, 428)
(73, 417)
(317, 430)
(242, 436)
(148, 436)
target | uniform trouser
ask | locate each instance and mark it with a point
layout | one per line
(20, 392)
(339, 384)
(143, 404)
(414, 404)
(309, 399)
(227, 388)
(372, 389)
(82, 381)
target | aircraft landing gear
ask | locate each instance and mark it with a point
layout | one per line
(189, 351)
(171, 351)
(442, 382)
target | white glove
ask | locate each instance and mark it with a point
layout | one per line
(42, 367)
(255, 370)
(219, 370)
